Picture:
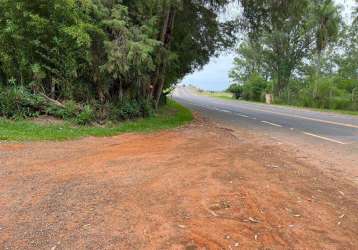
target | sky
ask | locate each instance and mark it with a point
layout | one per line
(215, 75)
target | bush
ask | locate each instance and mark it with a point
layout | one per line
(18, 102)
(55, 111)
(146, 108)
(236, 90)
(71, 110)
(324, 92)
(341, 102)
(254, 88)
(86, 116)
(127, 109)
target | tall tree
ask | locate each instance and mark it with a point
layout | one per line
(327, 19)
(286, 30)
(249, 60)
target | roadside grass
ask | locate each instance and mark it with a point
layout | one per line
(169, 116)
(221, 95)
(228, 96)
(216, 94)
(333, 111)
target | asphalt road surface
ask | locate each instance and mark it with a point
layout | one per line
(334, 135)
(338, 129)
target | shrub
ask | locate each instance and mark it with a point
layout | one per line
(126, 110)
(71, 110)
(86, 116)
(236, 90)
(18, 102)
(55, 111)
(146, 108)
(341, 102)
(254, 88)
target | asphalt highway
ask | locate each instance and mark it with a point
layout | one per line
(314, 126)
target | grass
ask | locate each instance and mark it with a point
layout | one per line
(335, 111)
(338, 111)
(228, 96)
(221, 95)
(216, 94)
(170, 116)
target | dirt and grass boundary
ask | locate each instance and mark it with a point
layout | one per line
(169, 116)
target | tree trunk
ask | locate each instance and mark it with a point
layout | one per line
(120, 91)
(161, 38)
(53, 101)
(165, 38)
(3, 78)
(53, 90)
(317, 73)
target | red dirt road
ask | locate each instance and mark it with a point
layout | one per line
(198, 187)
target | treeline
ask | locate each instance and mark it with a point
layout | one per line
(102, 59)
(302, 52)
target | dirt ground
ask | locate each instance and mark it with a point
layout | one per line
(198, 187)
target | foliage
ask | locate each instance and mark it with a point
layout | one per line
(130, 109)
(287, 33)
(169, 116)
(304, 51)
(86, 116)
(254, 88)
(104, 53)
(236, 90)
(18, 102)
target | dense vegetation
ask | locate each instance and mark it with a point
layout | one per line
(302, 52)
(91, 60)
(98, 60)
(168, 116)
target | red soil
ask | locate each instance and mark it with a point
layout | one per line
(198, 187)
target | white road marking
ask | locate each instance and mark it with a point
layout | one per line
(273, 124)
(301, 117)
(226, 111)
(306, 118)
(324, 138)
(243, 115)
(254, 118)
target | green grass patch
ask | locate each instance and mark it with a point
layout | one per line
(221, 95)
(216, 94)
(170, 116)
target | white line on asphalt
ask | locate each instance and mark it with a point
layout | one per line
(226, 111)
(243, 115)
(299, 116)
(273, 124)
(325, 138)
(306, 118)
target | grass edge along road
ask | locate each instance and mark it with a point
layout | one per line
(228, 96)
(169, 116)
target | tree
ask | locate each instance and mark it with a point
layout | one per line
(286, 30)
(249, 59)
(328, 19)
(107, 53)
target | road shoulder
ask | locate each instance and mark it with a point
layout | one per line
(203, 185)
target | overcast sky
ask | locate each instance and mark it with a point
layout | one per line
(214, 76)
